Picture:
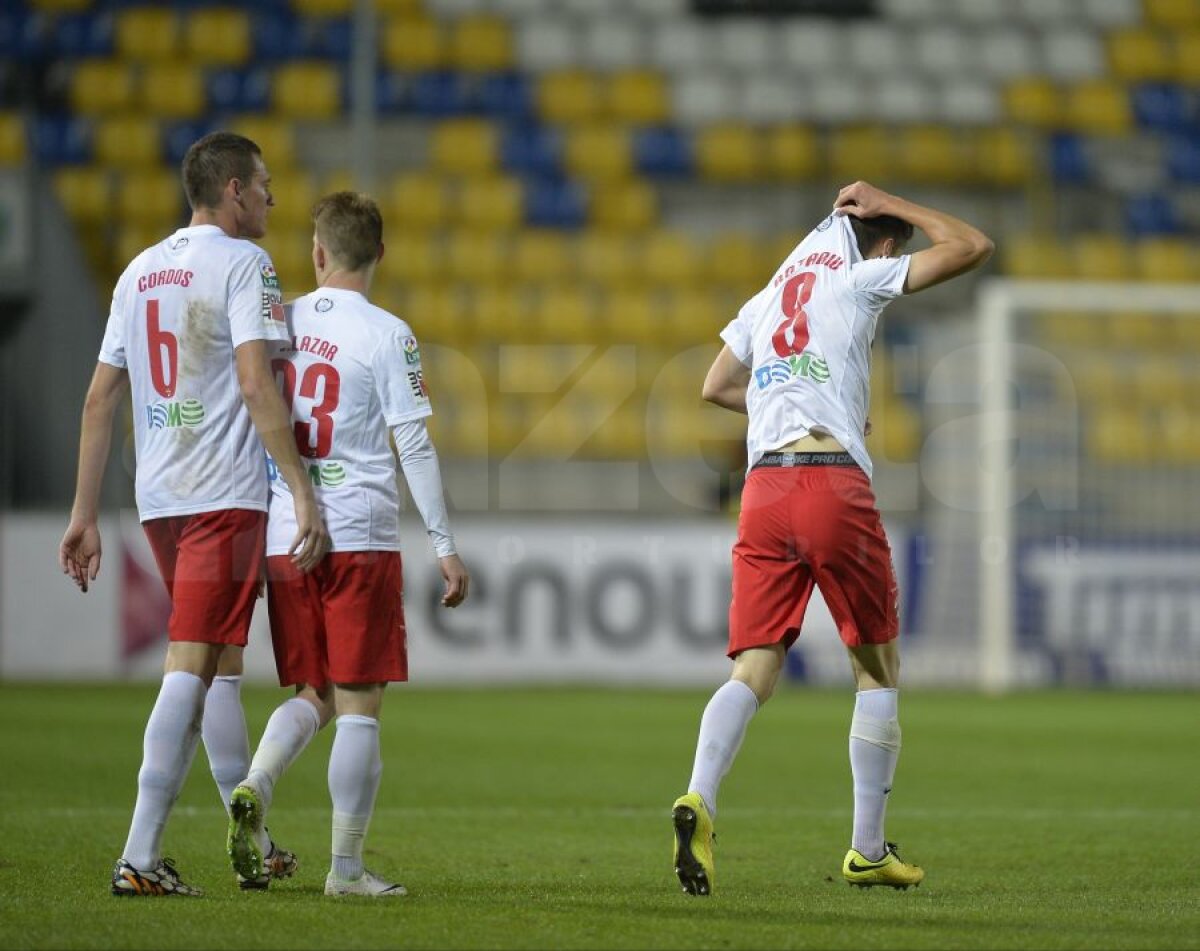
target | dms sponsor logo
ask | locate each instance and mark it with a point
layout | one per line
(804, 366)
(173, 415)
(325, 475)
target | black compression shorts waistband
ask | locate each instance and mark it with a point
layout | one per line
(789, 459)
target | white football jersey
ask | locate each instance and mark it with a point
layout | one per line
(178, 312)
(352, 371)
(807, 338)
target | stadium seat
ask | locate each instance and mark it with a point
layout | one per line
(134, 238)
(414, 43)
(903, 99)
(295, 193)
(630, 316)
(742, 42)
(738, 261)
(412, 258)
(1073, 54)
(1033, 256)
(1151, 214)
(534, 150)
(875, 48)
(500, 311)
(61, 141)
(943, 50)
(1098, 107)
(13, 148)
(553, 203)
(792, 153)
(663, 151)
(1165, 107)
(101, 87)
(1126, 331)
(127, 142)
(490, 202)
(1102, 257)
(275, 137)
(59, 6)
(442, 94)
(306, 90)
(811, 45)
(323, 8)
(680, 45)
(1166, 260)
(569, 96)
(541, 257)
(728, 153)
(464, 147)
(620, 436)
(1172, 14)
(1180, 435)
(1183, 159)
(607, 259)
(933, 154)
(237, 90)
(599, 153)
(481, 42)
(147, 33)
(218, 36)
(690, 316)
(1004, 156)
(1070, 163)
(1071, 328)
(970, 102)
(290, 249)
(476, 255)
(1118, 436)
(151, 198)
(1005, 53)
(839, 99)
(86, 193)
(172, 91)
(895, 431)
(703, 97)
(416, 202)
(638, 96)
(1139, 55)
(1185, 59)
(1107, 14)
(564, 313)
(506, 96)
(765, 98)
(611, 43)
(670, 257)
(861, 152)
(80, 36)
(547, 43)
(1034, 102)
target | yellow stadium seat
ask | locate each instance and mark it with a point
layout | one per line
(290, 249)
(101, 87)
(670, 257)
(1139, 55)
(933, 154)
(895, 431)
(414, 43)
(690, 317)
(295, 193)
(1005, 157)
(127, 142)
(147, 33)
(1171, 13)
(307, 90)
(1102, 257)
(738, 260)
(1185, 61)
(412, 258)
(630, 206)
(134, 238)
(173, 91)
(621, 436)
(631, 316)
(151, 198)
(565, 313)
(1033, 256)
(1098, 107)
(1138, 330)
(1119, 435)
(323, 8)
(861, 152)
(12, 139)
(793, 153)
(639, 97)
(481, 42)
(464, 147)
(398, 8)
(1035, 101)
(493, 202)
(1097, 380)
(599, 153)
(607, 258)
(437, 312)
(1179, 434)
(569, 96)
(218, 36)
(1166, 259)
(780, 247)
(86, 193)
(343, 180)
(417, 201)
(59, 6)
(542, 257)
(500, 311)
(477, 255)
(276, 138)
(1068, 328)
(729, 153)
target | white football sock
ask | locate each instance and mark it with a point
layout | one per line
(722, 729)
(291, 728)
(224, 732)
(172, 732)
(354, 773)
(874, 750)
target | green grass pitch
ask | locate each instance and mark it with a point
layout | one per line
(539, 819)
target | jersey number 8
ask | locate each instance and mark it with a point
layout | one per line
(796, 293)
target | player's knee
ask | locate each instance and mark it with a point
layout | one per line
(877, 732)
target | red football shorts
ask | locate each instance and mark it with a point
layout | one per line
(806, 525)
(211, 563)
(342, 623)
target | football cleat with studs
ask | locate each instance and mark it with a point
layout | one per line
(368, 884)
(245, 819)
(279, 863)
(890, 871)
(693, 844)
(162, 882)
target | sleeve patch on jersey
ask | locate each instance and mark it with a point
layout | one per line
(416, 381)
(272, 306)
(412, 352)
(269, 277)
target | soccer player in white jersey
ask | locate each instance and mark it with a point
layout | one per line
(352, 374)
(796, 360)
(190, 322)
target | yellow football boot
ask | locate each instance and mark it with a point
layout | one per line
(693, 844)
(890, 870)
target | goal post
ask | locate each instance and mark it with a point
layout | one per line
(1088, 483)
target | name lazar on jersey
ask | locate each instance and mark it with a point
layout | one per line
(802, 366)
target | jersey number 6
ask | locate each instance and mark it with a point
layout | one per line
(796, 293)
(321, 413)
(163, 373)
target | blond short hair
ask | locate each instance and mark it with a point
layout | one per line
(350, 227)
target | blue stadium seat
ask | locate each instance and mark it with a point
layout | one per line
(663, 151)
(505, 96)
(25, 37)
(239, 90)
(11, 25)
(1165, 107)
(84, 34)
(1183, 158)
(393, 92)
(1151, 214)
(177, 136)
(277, 35)
(555, 203)
(62, 141)
(1068, 159)
(532, 150)
(442, 94)
(332, 39)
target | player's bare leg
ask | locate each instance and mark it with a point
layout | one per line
(172, 733)
(355, 769)
(255, 858)
(874, 750)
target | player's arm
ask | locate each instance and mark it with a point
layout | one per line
(957, 246)
(79, 552)
(726, 382)
(418, 459)
(274, 424)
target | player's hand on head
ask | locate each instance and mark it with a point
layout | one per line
(457, 581)
(861, 199)
(79, 553)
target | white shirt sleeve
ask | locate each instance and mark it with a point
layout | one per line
(255, 301)
(880, 279)
(419, 461)
(112, 348)
(737, 334)
(399, 380)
